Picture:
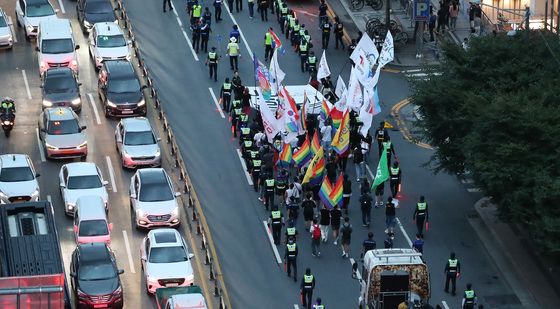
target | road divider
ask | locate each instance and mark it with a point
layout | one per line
(62, 10)
(128, 252)
(218, 108)
(41, 149)
(111, 174)
(26, 84)
(271, 241)
(94, 108)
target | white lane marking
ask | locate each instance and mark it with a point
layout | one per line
(216, 102)
(296, 306)
(41, 149)
(26, 84)
(249, 180)
(49, 198)
(111, 174)
(358, 275)
(241, 33)
(128, 252)
(370, 172)
(473, 190)
(95, 113)
(184, 33)
(444, 303)
(61, 7)
(404, 232)
(274, 249)
(14, 35)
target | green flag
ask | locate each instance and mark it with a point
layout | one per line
(382, 173)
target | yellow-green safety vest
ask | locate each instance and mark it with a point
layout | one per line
(256, 164)
(292, 21)
(469, 296)
(275, 214)
(236, 103)
(233, 49)
(267, 39)
(244, 118)
(303, 47)
(248, 145)
(395, 171)
(197, 9)
(254, 154)
(291, 247)
(312, 59)
(308, 281)
(296, 27)
(291, 231)
(284, 10)
(453, 265)
(245, 130)
(387, 145)
(269, 185)
(212, 57)
(237, 111)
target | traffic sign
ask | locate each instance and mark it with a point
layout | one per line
(421, 10)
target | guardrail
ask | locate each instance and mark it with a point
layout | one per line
(193, 203)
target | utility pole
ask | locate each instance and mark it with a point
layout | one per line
(527, 15)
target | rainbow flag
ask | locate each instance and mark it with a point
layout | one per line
(325, 110)
(341, 139)
(303, 155)
(285, 157)
(315, 169)
(315, 145)
(336, 194)
(262, 76)
(275, 40)
(325, 192)
(336, 116)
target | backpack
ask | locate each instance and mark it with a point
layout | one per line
(316, 232)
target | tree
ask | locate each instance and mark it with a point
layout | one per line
(495, 111)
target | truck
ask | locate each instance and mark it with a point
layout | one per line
(189, 297)
(391, 276)
(31, 266)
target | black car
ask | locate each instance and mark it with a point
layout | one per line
(61, 88)
(120, 90)
(95, 277)
(91, 12)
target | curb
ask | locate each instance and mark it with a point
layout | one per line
(395, 112)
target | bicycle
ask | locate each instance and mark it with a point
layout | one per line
(374, 23)
(359, 4)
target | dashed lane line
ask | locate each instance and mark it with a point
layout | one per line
(249, 180)
(444, 303)
(95, 113)
(184, 33)
(128, 252)
(218, 108)
(41, 149)
(61, 7)
(271, 241)
(26, 85)
(111, 174)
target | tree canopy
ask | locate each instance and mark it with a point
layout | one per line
(495, 111)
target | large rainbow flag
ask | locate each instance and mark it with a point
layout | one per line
(331, 195)
(316, 168)
(315, 144)
(285, 157)
(341, 139)
(303, 155)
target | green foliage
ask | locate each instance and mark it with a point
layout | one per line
(495, 111)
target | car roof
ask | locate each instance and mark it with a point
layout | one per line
(108, 28)
(81, 168)
(60, 113)
(119, 69)
(14, 160)
(152, 176)
(60, 71)
(58, 28)
(92, 207)
(92, 252)
(136, 124)
(165, 237)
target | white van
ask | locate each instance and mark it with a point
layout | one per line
(56, 45)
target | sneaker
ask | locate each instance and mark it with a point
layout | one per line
(386, 231)
(335, 243)
(358, 179)
(318, 253)
(343, 254)
(380, 203)
(313, 254)
(364, 224)
(261, 199)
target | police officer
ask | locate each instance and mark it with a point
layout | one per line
(390, 149)
(318, 304)
(291, 257)
(283, 16)
(225, 94)
(279, 4)
(256, 164)
(380, 134)
(312, 63)
(263, 7)
(421, 215)
(246, 147)
(369, 244)
(233, 53)
(236, 111)
(268, 45)
(291, 231)
(281, 183)
(204, 36)
(167, 3)
(289, 22)
(469, 298)
(269, 184)
(195, 28)
(326, 32)
(196, 12)
(245, 131)
(395, 178)
(212, 62)
(218, 10)
(230, 5)
(275, 221)
(452, 271)
(238, 5)
(322, 12)
(307, 286)
(338, 33)
(303, 54)
(294, 35)
(207, 16)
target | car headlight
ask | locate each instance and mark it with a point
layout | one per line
(35, 193)
(74, 63)
(87, 24)
(29, 28)
(47, 103)
(141, 103)
(50, 147)
(111, 104)
(158, 153)
(70, 206)
(82, 145)
(175, 212)
(126, 155)
(98, 59)
(76, 101)
(140, 213)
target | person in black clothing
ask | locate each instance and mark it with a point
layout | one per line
(195, 36)
(330, 167)
(275, 221)
(237, 86)
(291, 257)
(167, 3)
(335, 222)
(346, 193)
(338, 33)
(322, 12)
(204, 36)
(230, 5)
(364, 186)
(324, 223)
(238, 5)
(452, 271)
(326, 27)
(380, 135)
(395, 178)
(308, 206)
(263, 7)
(389, 241)
(418, 244)
(365, 206)
(421, 215)
(207, 16)
(218, 10)
(307, 286)
(368, 244)
(212, 62)
(225, 94)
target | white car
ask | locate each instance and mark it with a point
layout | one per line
(29, 13)
(6, 35)
(81, 179)
(107, 42)
(153, 200)
(137, 144)
(165, 260)
(18, 180)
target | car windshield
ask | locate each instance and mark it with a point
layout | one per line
(108, 41)
(2, 22)
(168, 255)
(59, 83)
(139, 138)
(98, 270)
(98, 7)
(57, 46)
(84, 182)
(155, 192)
(38, 10)
(61, 127)
(13, 174)
(123, 85)
(93, 228)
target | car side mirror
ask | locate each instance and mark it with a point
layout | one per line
(73, 274)
(121, 271)
(37, 48)
(105, 182)
(110, 226)
(62, 185)
(129, 42)
(79, 84)
(191, 256)
(37, 175)
(75, 229)
(77, 47)
(83, 127)
(177, 194)
(56, 10)
(132, 195)
(144, 87)
(42, 86)
(158, 139)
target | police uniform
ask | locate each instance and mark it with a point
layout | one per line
(291, 232)
(291, 258)
(195, 36)
(267, 46)
(213, 65)
(246, 147)
(312, 63)
(263, 7)
(236, 114)
(233, 52)
(338, 34)
(276, 224)
(226, 96)
(303, 53)
(283, 16)
(395, 177)
(218, 10)
(256, 165)
(369, 244)
(245, 132)
(289, 22)
(269, 184)
(204, 37)
(420, 214)
(452, 268)
(294, 36)
(196, 12)
(326, 33)
(380, 134)
(307, 286)
(469, 299)
(390, 150)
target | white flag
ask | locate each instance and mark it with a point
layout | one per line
(270, 123)
(387, 51)
(354, 98)
(340, 87)
(367, 46)
(341, 103)
(370, 108)
(365, 66)
(323, 70)
(276, 73)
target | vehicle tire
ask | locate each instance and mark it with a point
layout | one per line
(377, 5)
(106, 113)
(357, 4)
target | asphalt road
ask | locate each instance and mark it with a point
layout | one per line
(253, 276)
(20, 80)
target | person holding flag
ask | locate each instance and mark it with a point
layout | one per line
(381, 175)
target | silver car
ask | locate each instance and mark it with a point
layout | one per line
(81, 179)
(137, 144)
(18, 180)
(153, 200)
(61, 134)
(6, 35)
(107, 42)
(165, 260)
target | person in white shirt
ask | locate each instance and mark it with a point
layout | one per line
(259, 138)
(326, 139)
